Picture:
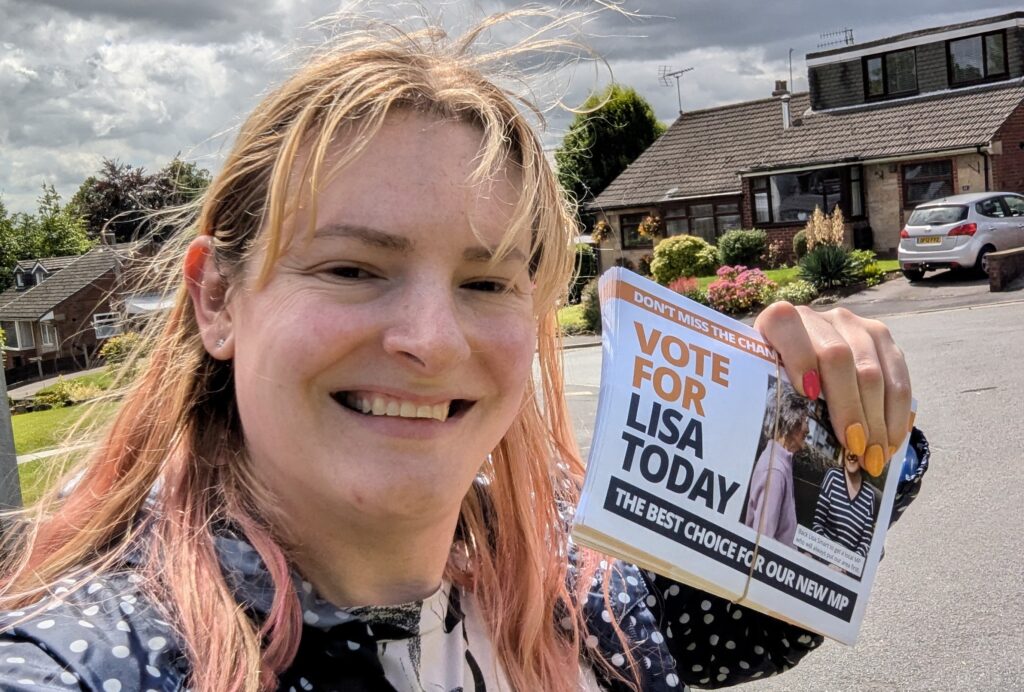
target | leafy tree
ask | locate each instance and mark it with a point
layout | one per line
(55, 231)
(10, 245)
(616, 127)
(122, 197)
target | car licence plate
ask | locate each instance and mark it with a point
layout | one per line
(929, 240)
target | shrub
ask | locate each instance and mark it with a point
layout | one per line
(643, 265)
(775, 256)
(117, 348)
(601, 232)
(800, 244)
(825, 230)
(742, 247)
(738, 289)
(866, 267)
(570, 320)
(682, 255)
(586, 269)
(591, 303)
(688, 287)
(828, 266)
(65, 393)
(797, 292)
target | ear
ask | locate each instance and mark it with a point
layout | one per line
(208, 290)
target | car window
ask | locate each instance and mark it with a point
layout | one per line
(1015, 205)
(991, 208)
(933, 216)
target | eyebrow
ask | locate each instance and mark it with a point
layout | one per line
(401, 244)
(367, 235)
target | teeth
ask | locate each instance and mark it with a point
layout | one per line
(440, 412)
(380, 406)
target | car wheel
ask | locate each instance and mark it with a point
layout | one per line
(913, 275)
(982, 263)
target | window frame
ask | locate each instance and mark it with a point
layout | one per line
(1005, 74)
(886, 93)
(846, 198)
(684, 212)
(907, 204)
(48, 328)
(109, 322)
(19, 343)
(640, 244)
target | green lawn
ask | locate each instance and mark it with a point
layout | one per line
(46, 429)
(36, 476)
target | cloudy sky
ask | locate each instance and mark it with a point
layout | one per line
(141, 80)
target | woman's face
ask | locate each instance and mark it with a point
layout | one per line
(386, 357)
(851, 462)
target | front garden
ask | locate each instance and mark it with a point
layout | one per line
(746, 272)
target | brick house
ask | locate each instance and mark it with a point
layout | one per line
(885, 126)
(59, 311)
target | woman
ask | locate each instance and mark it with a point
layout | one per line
(771, 504)
(336, 470)
(845, 511)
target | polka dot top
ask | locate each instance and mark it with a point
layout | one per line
(105, 634)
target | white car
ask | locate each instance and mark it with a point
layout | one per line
(959, 231)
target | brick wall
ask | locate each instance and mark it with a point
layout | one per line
(1007, 168)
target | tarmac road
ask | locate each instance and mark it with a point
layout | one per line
(947, 608)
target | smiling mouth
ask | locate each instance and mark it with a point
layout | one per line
(377, 405)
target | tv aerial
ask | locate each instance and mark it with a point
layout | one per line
(665, 73)
(843, 37)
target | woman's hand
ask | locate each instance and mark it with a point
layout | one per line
(855, 362)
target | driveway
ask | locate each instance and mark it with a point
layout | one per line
(940, 291)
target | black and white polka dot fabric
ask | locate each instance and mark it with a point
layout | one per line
(105, 634)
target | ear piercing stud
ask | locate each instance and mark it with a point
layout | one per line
(220, 342)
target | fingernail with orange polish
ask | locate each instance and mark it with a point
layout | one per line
(874, 460)
(856, 440)
(812, 384)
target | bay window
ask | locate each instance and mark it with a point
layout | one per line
(792, 197)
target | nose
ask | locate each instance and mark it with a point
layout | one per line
(427, 331)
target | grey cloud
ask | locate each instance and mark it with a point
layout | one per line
(141, 80)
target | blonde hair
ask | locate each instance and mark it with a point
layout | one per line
(178, 428)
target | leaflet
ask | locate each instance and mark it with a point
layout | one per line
(707, 467)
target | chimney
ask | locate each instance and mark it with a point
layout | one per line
(782, 93)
